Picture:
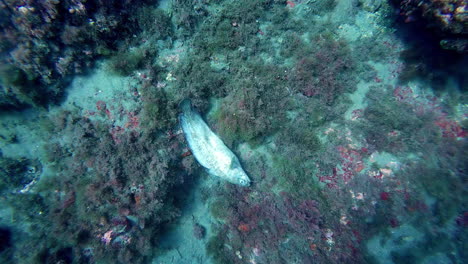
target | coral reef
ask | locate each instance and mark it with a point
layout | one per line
(346, 149)
(45, 42)
(448, 19)
(109, 202)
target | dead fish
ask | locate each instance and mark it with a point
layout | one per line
(208, 149)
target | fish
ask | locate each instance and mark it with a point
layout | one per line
(208, 149)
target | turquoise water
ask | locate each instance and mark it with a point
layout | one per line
(349, 118)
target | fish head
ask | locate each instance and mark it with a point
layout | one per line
(241, 177)
(244, 182)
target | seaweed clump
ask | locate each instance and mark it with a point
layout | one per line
(393, 126)
(250, 112)
(109, 200)
(323, 70)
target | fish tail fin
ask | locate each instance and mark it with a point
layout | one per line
(186, 106)
(187, 110)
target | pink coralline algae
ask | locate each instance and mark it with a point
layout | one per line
(351, 163)
(462, 219)
(403, 93)
(116, 132)
(450, 128)
(265, 224)
(107, 237)
(384, 196)
(430, 105)
(133, 121)
(101, 105)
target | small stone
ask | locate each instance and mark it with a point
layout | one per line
(199, 231)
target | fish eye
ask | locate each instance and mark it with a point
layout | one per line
(243, 182)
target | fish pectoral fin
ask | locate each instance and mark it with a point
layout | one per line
(232, 164)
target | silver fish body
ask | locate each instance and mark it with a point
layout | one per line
(208, 149)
